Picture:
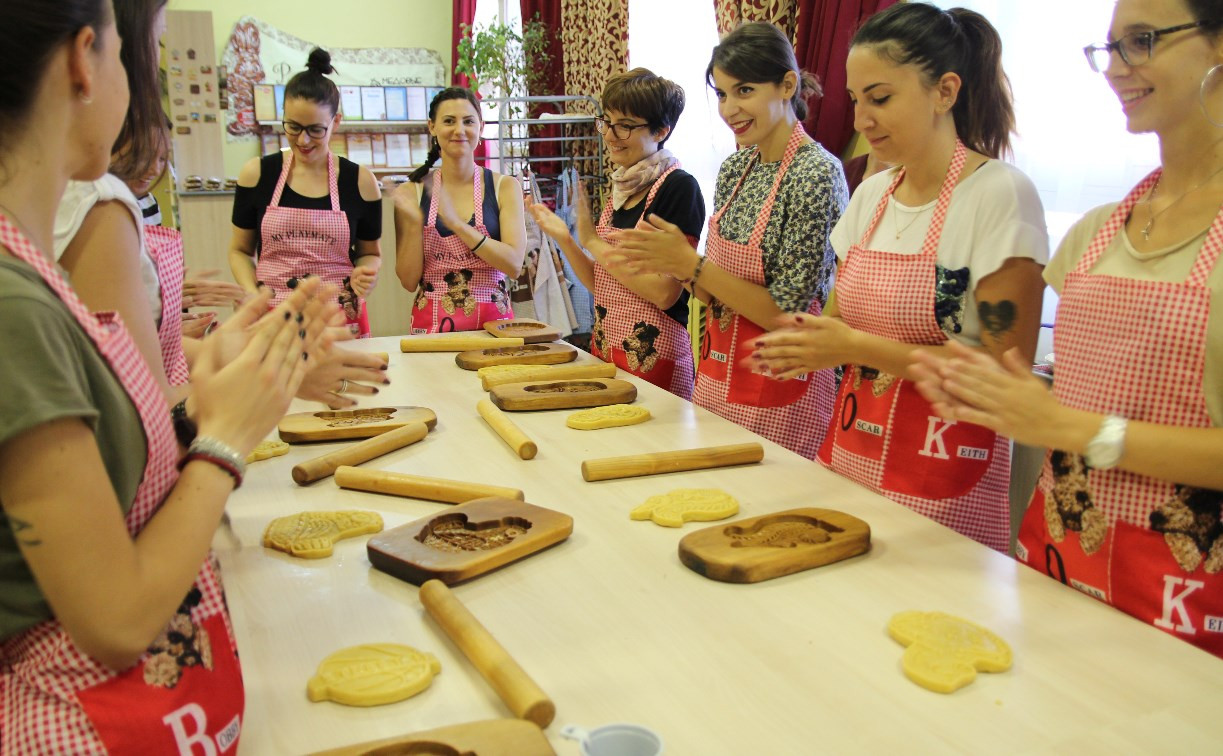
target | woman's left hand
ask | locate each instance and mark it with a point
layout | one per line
(969, 385)
(661, 249)
(196, 324)
(201, 291)
(363, 279)
(342, 374)
(446, 211)
(801, 344)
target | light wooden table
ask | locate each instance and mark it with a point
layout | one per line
(615, 629)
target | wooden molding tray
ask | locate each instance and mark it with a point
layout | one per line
(772, 545)
(530, 331)
(467, 540)
(576, 393)
(491, 737)
(552, 353)
(330, 425)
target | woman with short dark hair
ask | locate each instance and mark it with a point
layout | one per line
(640, 319)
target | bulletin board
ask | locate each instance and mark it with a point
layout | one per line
(196, 94)
(259, 53)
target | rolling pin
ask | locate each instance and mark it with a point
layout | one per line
(633, 465)
(418, 486)
(320, 467)
(456, 343)
(511, 434)
(600, 369)
(519, 692)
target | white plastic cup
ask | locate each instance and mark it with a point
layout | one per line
(619, 739)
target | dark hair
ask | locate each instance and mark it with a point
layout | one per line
(1210, 12)
(647, 95)
(135, 149)
(313, 84)
(955, 41)
(435, 149)
(759, 52)
(31, 33)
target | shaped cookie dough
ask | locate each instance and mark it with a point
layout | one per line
(267, 450)
(944, 652)
(671, 510)
(312, 535)
(372, 674)
(609, 416)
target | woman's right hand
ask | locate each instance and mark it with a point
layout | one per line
(549, 222)
(343, 372)
(407, 204)
(250, 368)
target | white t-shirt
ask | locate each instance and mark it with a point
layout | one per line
(1172, 263)
(995, 214)
(79, 198)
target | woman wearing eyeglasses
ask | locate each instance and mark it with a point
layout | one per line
(459, 231)
(1129, 506)
(640, 320)
(767, 248)
(308, 212)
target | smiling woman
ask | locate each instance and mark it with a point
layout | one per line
(946, 247)
(459, 234)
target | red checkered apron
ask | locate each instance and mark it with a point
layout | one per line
(166, 248)
(459, 291)
(632, 333)
(885, 435)
(792, 413)
(297, 243)
(1136, 349)
(57, 699)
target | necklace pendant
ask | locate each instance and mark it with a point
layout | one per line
(1146, 230)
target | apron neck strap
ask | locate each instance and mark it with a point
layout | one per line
(796, 141)
(333, 181)
(605, 217)
(477, 196)
(935, 232)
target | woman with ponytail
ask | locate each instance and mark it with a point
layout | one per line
(459, 229)
(308, 212)
(1129, 506)
(946, 247)
(767, 249)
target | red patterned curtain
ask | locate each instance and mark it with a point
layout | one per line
(464, 13)
(821, 42)
(731, 13)
(550, 14)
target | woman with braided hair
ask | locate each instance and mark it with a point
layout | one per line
(459, 230)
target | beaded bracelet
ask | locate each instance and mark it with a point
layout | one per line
(696, 272)
(218, 453)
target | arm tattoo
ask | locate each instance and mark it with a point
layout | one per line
(997, 318)
(22, 531)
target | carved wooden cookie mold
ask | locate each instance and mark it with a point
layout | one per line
(453, 532)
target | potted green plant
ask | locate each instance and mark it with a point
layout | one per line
(503, 63)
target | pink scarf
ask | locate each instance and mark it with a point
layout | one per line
(628, 181)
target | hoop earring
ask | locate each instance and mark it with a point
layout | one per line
(1202, 96)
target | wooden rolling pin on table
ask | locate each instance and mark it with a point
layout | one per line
(634, 465)
(320, 467)
(455, 343)
(419, 486)
(519, 692)
(510, 433)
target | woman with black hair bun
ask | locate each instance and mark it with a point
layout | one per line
(767, 251)
(460, 237)
(306, 211)
(946, 247)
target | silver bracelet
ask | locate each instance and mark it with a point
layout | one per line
(219, 453)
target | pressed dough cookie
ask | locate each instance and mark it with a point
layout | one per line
(267, 450)
(609, 416)
(944, 652)
(682, 505)
(372, 674)
(312, 535)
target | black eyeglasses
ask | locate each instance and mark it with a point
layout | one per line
(619, 130)
(1135, 49)
(315, 130)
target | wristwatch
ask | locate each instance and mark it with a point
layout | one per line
(1104, 450)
